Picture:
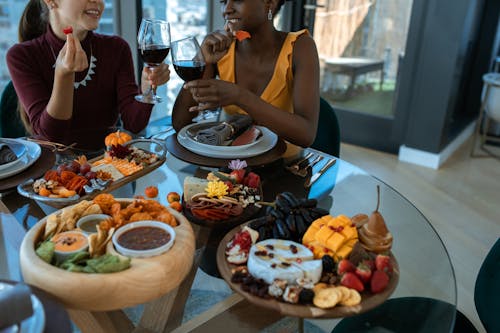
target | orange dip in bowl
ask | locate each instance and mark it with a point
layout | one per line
(68, 243)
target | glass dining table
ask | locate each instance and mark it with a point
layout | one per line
(204, 302)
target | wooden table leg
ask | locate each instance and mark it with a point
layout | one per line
(101, 322)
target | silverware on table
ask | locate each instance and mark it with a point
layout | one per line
(318, 174)
(303, 171)
(297, 165)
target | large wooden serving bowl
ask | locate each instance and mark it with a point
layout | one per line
(145, 280)
(368, 301)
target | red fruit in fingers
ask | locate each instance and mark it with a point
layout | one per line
(383, 263)
(350, 280)
(379, 281)
(363, 272)
(68, 30)
(242, 35)
(345, 266)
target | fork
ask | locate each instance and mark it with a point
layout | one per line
(297, 165)
(303, 171)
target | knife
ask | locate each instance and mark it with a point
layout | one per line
(318, 174)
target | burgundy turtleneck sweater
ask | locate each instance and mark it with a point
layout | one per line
(96, 105)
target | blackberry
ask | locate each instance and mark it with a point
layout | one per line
(328, 263)
(306, 296)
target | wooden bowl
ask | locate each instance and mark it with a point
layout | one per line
(368, 301)
(146, 279)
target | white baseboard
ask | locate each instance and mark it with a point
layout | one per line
(433, 160)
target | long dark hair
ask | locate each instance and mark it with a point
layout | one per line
(33, 24)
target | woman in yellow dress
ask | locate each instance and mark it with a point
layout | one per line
(273, 76)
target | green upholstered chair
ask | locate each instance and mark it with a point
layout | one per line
(11, 125)
(421, 314)
(328, 133)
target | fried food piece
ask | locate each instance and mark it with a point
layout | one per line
(142, 216)
(98, 241)
(51, 225)
(105, 201)
(354, 298)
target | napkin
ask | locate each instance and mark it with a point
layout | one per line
(219, 134)
(15, 305)
(6, 154)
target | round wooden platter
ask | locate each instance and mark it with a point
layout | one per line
(368, 302)
(146, 279)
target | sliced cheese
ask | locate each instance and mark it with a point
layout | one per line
(282, 263)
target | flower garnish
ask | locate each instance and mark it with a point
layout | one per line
(241, 35)
(237, 165)
(216, 189)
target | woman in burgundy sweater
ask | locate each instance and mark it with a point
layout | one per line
(74, 86)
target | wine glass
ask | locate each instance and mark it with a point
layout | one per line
(189, 64)
(154, 45)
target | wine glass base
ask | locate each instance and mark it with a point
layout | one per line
(148, 99)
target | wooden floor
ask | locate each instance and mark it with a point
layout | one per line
(461, 200)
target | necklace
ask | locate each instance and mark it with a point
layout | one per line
(90, 71)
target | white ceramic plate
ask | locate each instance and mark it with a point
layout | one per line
(33, 153)
(20, 151)
(269, 140)
(33, 324)
(213, 147)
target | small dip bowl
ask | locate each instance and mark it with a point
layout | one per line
(144, 239)
(88, 224)
(68, 243)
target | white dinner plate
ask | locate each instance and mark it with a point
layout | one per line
(269, 140)
(33, 324)
(225, 148)
(33, 153)
(17, 148)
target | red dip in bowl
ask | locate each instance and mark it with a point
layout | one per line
(144, 238)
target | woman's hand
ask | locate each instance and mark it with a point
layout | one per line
(72, 58)
(154, 76)
(215, 46)
(211, 94)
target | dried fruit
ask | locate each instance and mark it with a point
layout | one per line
(68, 30)
(241, 35)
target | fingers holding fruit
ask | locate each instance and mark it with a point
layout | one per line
(72, 58)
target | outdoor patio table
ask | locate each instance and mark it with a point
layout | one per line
(424, 264)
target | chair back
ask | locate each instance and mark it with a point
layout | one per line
(487, 290)
(11, 125)
(328, 133)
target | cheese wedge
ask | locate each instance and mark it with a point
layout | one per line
(274, 259)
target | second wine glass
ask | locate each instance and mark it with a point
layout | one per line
(154, 45)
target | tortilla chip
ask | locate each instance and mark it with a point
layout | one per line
(92, 209)
(51, 225)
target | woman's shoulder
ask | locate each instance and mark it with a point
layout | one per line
(26, 48)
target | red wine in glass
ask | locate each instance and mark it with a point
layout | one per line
(189, 70)
(153, 39)
(154, 54)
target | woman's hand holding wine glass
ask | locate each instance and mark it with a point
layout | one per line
(154, 45)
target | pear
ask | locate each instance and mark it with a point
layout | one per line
(376, 223)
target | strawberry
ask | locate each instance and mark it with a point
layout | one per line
(252, 180)
(379, 281)
(370, 263)
(345, 266)
(363, 272)
(350, 280)
(383, 263)
(238, 175)
(68, 30)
